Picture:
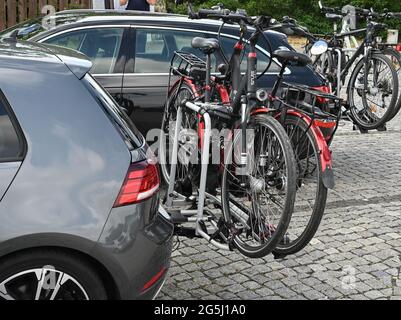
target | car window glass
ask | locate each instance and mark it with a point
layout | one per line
(71, 40)
(10, 147)
(102, 46)
(155, 48)
(120, 118)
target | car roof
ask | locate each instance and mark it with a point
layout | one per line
(68, 19)
(75, 18)
(17, 52)
(86, 15)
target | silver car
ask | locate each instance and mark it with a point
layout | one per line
(79, 200)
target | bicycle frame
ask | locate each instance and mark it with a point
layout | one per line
(246, 107)
(365, 50)
(204, 168)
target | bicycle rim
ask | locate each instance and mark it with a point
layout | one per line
(261, 209)
(188, 139)
(311, 195)
(395, 58)
(373, 108)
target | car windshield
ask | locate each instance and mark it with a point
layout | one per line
(25, 29)
(32, 27)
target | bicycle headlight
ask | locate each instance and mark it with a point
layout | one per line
(262, 95)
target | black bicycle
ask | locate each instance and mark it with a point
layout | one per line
(373, 86)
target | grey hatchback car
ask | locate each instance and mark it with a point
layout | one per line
(79, 214)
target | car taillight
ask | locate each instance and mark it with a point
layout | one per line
(325, 89)
(141, 183)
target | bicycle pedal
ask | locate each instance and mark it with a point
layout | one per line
(178, 218)
(217, 237)
(203, 227)
(185, 232)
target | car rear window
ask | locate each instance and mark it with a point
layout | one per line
(123, 123)
(11, 141)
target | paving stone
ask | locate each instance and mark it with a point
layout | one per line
(248, 295)
(264, 292)
(360, 233)
(313, 295)
(251, 285)
(374, 294)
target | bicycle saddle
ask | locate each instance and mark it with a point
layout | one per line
(285, 56)
(206, 45)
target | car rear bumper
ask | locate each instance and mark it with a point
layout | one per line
(137, 252)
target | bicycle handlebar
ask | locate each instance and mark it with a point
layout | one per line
(228, 16)
(325, 9)
(361, 12)
(394, 15)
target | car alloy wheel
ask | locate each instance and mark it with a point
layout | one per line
(44, 283)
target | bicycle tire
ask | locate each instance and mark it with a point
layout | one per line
(390, 51)
(306, 190)
(227, 197)
(392, 104)
(183, 91)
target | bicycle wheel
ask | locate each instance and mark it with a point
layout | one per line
(372, 108)
(311, 195)
(395, 58)
(187, 167)
(258, 202)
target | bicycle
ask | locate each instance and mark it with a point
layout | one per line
(372, 90)
(350, 43)
(196, 84)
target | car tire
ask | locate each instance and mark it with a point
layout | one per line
(76, 279)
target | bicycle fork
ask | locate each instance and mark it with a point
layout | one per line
(248, 102)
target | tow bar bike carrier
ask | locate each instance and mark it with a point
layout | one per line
(174, 200)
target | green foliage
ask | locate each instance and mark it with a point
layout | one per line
(305, 11)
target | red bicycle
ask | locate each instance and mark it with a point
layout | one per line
(297, 108)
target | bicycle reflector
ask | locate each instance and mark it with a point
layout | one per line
(398, 47)
(141, 183)
(325, 89)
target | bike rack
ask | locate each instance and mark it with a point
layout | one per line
(196, 216)
(339, 59)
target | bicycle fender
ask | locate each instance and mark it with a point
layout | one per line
(324, 150)
(328, 178)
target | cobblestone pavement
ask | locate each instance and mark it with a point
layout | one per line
(356, 253)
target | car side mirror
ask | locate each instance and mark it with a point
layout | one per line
(319, 48)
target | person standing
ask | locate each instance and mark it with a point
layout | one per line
(141, 5)
(118, 6)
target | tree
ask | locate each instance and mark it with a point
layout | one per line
(305, 11)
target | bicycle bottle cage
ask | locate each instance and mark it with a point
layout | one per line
(189, 65)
